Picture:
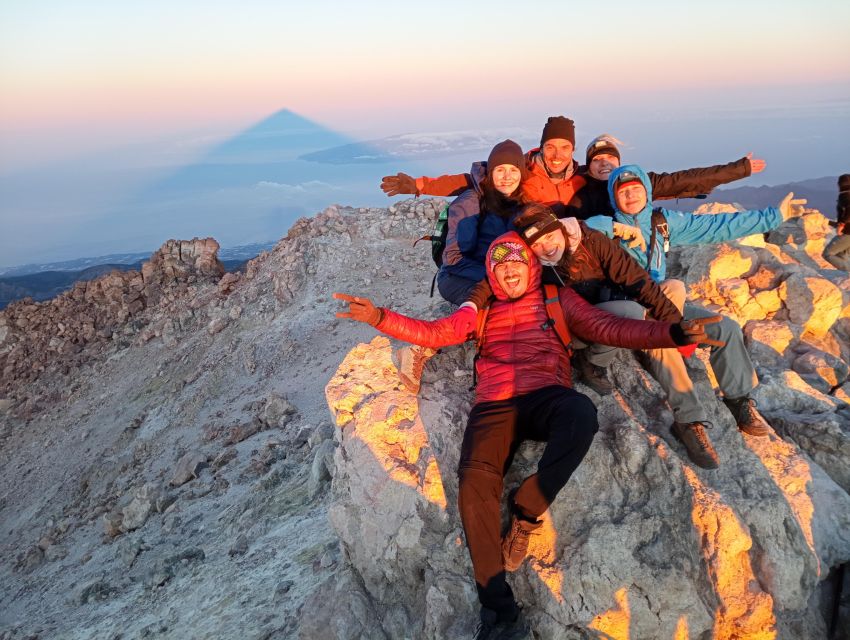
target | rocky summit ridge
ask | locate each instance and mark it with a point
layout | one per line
(189, 453)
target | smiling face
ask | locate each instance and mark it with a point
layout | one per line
(506, 178)
(631, 198)
(550, 248)
(557, 154)
(512, 277)
(602, 165)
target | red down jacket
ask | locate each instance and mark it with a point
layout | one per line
(518, 354)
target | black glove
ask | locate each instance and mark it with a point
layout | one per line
(693, 332)
(360, 309)
(397, 184)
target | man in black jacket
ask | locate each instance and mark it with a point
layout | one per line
(603, 156)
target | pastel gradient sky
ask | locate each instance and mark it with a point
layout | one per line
(90, 86)
(76, 73)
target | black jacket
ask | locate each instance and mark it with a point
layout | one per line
(592, 199)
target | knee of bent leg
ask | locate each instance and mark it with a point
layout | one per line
(728, 330)
(478, 482)
(675, 291)
(584, 411)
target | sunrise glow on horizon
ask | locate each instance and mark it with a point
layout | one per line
(112, 113)
(166, 66)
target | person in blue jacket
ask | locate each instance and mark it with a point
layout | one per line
(477, 217)
(630, 192)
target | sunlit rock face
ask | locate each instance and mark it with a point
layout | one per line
(639, 544)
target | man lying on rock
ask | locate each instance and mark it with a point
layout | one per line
(523, 392)
(630, 193)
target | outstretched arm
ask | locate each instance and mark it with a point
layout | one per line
(701, 180)
(446, 185)
(594, 325)
(453, 329)
(689, 228)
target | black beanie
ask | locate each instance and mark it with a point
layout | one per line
(536, 221)
(506, 152)
(601, 144)
(559, 127)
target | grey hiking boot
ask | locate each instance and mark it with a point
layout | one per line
(749, 420)
(410, 362)
(592, 375)
(699, 447)
(493, 627)
(515, 542)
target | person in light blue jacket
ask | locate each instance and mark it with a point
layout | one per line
(630, 186)
(631, 197)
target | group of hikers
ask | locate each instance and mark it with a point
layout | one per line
(553, 266)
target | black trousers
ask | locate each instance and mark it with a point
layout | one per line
(563, 418)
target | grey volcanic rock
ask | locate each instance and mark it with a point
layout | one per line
(636, 527)
(304, 529)
(188, 468)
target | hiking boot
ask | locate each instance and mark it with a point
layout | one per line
(410, 362)
(695, 439)
(491, 627)
(592, 375)
(749, 420)
(515, 542)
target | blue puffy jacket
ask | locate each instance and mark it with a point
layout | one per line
(469, 235)
(684, 227)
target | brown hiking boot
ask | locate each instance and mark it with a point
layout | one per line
(410, 362)
(749, 420)
(695, 439)
(515, 542)
(590, 374)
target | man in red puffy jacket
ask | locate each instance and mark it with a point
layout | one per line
(523, 392)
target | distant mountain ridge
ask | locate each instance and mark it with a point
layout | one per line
(43, 282)
(821, 194)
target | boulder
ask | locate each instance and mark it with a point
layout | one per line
(813, 303)
(638, 537)
(188, 467)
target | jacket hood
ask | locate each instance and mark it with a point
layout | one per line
(641, 174)
(478, 172)
(534, 268)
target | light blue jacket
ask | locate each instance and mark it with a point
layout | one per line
(684, 228)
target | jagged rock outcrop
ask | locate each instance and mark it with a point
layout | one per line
(59, 335)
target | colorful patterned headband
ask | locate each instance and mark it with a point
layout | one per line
(508, 252)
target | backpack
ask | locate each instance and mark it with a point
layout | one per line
(556, 320)
(438, 236)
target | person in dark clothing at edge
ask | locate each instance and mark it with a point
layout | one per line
(837, 252)
(630, 193)
(523, 392)
(475, 218)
